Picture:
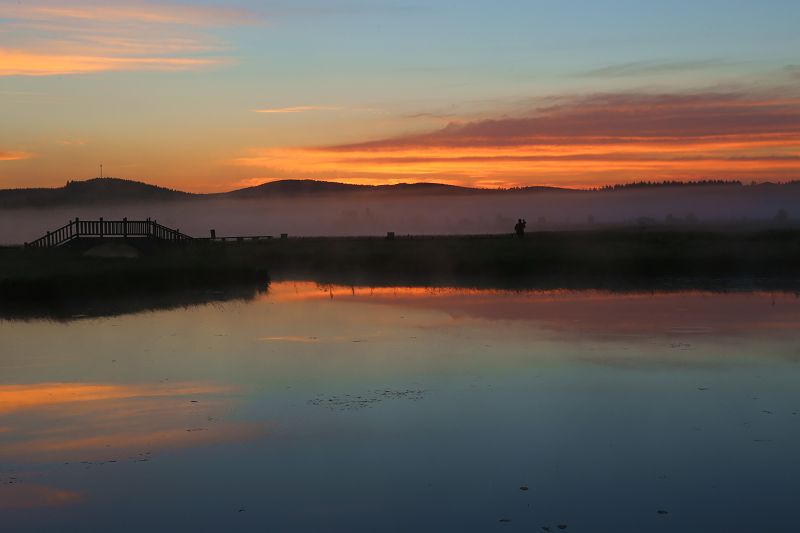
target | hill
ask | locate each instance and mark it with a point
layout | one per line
(115, 191)
(97, 191)
(317, 187)
(293, 187)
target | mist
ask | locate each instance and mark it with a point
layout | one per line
(376, 214)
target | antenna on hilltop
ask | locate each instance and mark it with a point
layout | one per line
(101, 170)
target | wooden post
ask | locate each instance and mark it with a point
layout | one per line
(125, 227)
(101, 227)
(213, 234)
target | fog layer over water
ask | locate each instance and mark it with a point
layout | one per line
(375, 214)
(326, 408)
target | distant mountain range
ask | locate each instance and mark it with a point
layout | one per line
(110, 191)
(315, 187)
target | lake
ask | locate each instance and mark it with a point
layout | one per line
(329, 408)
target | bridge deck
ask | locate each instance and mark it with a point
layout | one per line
(108, 228)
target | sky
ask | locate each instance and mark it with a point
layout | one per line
(211, 96)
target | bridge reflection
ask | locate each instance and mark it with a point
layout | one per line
(89, 304)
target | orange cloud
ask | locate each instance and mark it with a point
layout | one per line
(87, 37)
(152, 13)
(20, 63)
(13, 156)
(582, 141)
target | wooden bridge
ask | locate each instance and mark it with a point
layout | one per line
(101, 229)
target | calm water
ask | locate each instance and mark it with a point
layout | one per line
(338, 409)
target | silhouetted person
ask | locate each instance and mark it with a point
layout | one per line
(519, 228)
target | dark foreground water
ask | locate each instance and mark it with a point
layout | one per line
(338, 409)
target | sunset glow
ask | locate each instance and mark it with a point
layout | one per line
(208, 97)
(392, 265)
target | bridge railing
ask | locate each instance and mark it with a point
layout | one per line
(108, 228)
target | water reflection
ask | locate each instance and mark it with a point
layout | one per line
(28, 496)
(337, 408)
(91, 425)
(83, 302)
(590, 312)
(109, 423)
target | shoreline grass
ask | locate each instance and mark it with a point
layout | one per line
(618, 260)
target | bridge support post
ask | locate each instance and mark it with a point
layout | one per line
(125, 227)
(101, 227)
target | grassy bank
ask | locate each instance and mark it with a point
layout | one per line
(612, 258)
(572, 258)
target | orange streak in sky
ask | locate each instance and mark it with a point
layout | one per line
(13, 156)
(142, 12)
(22, 63)
(587, 140)
(736, 155)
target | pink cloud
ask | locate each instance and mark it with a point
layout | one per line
(580, 141)
(614, 118)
